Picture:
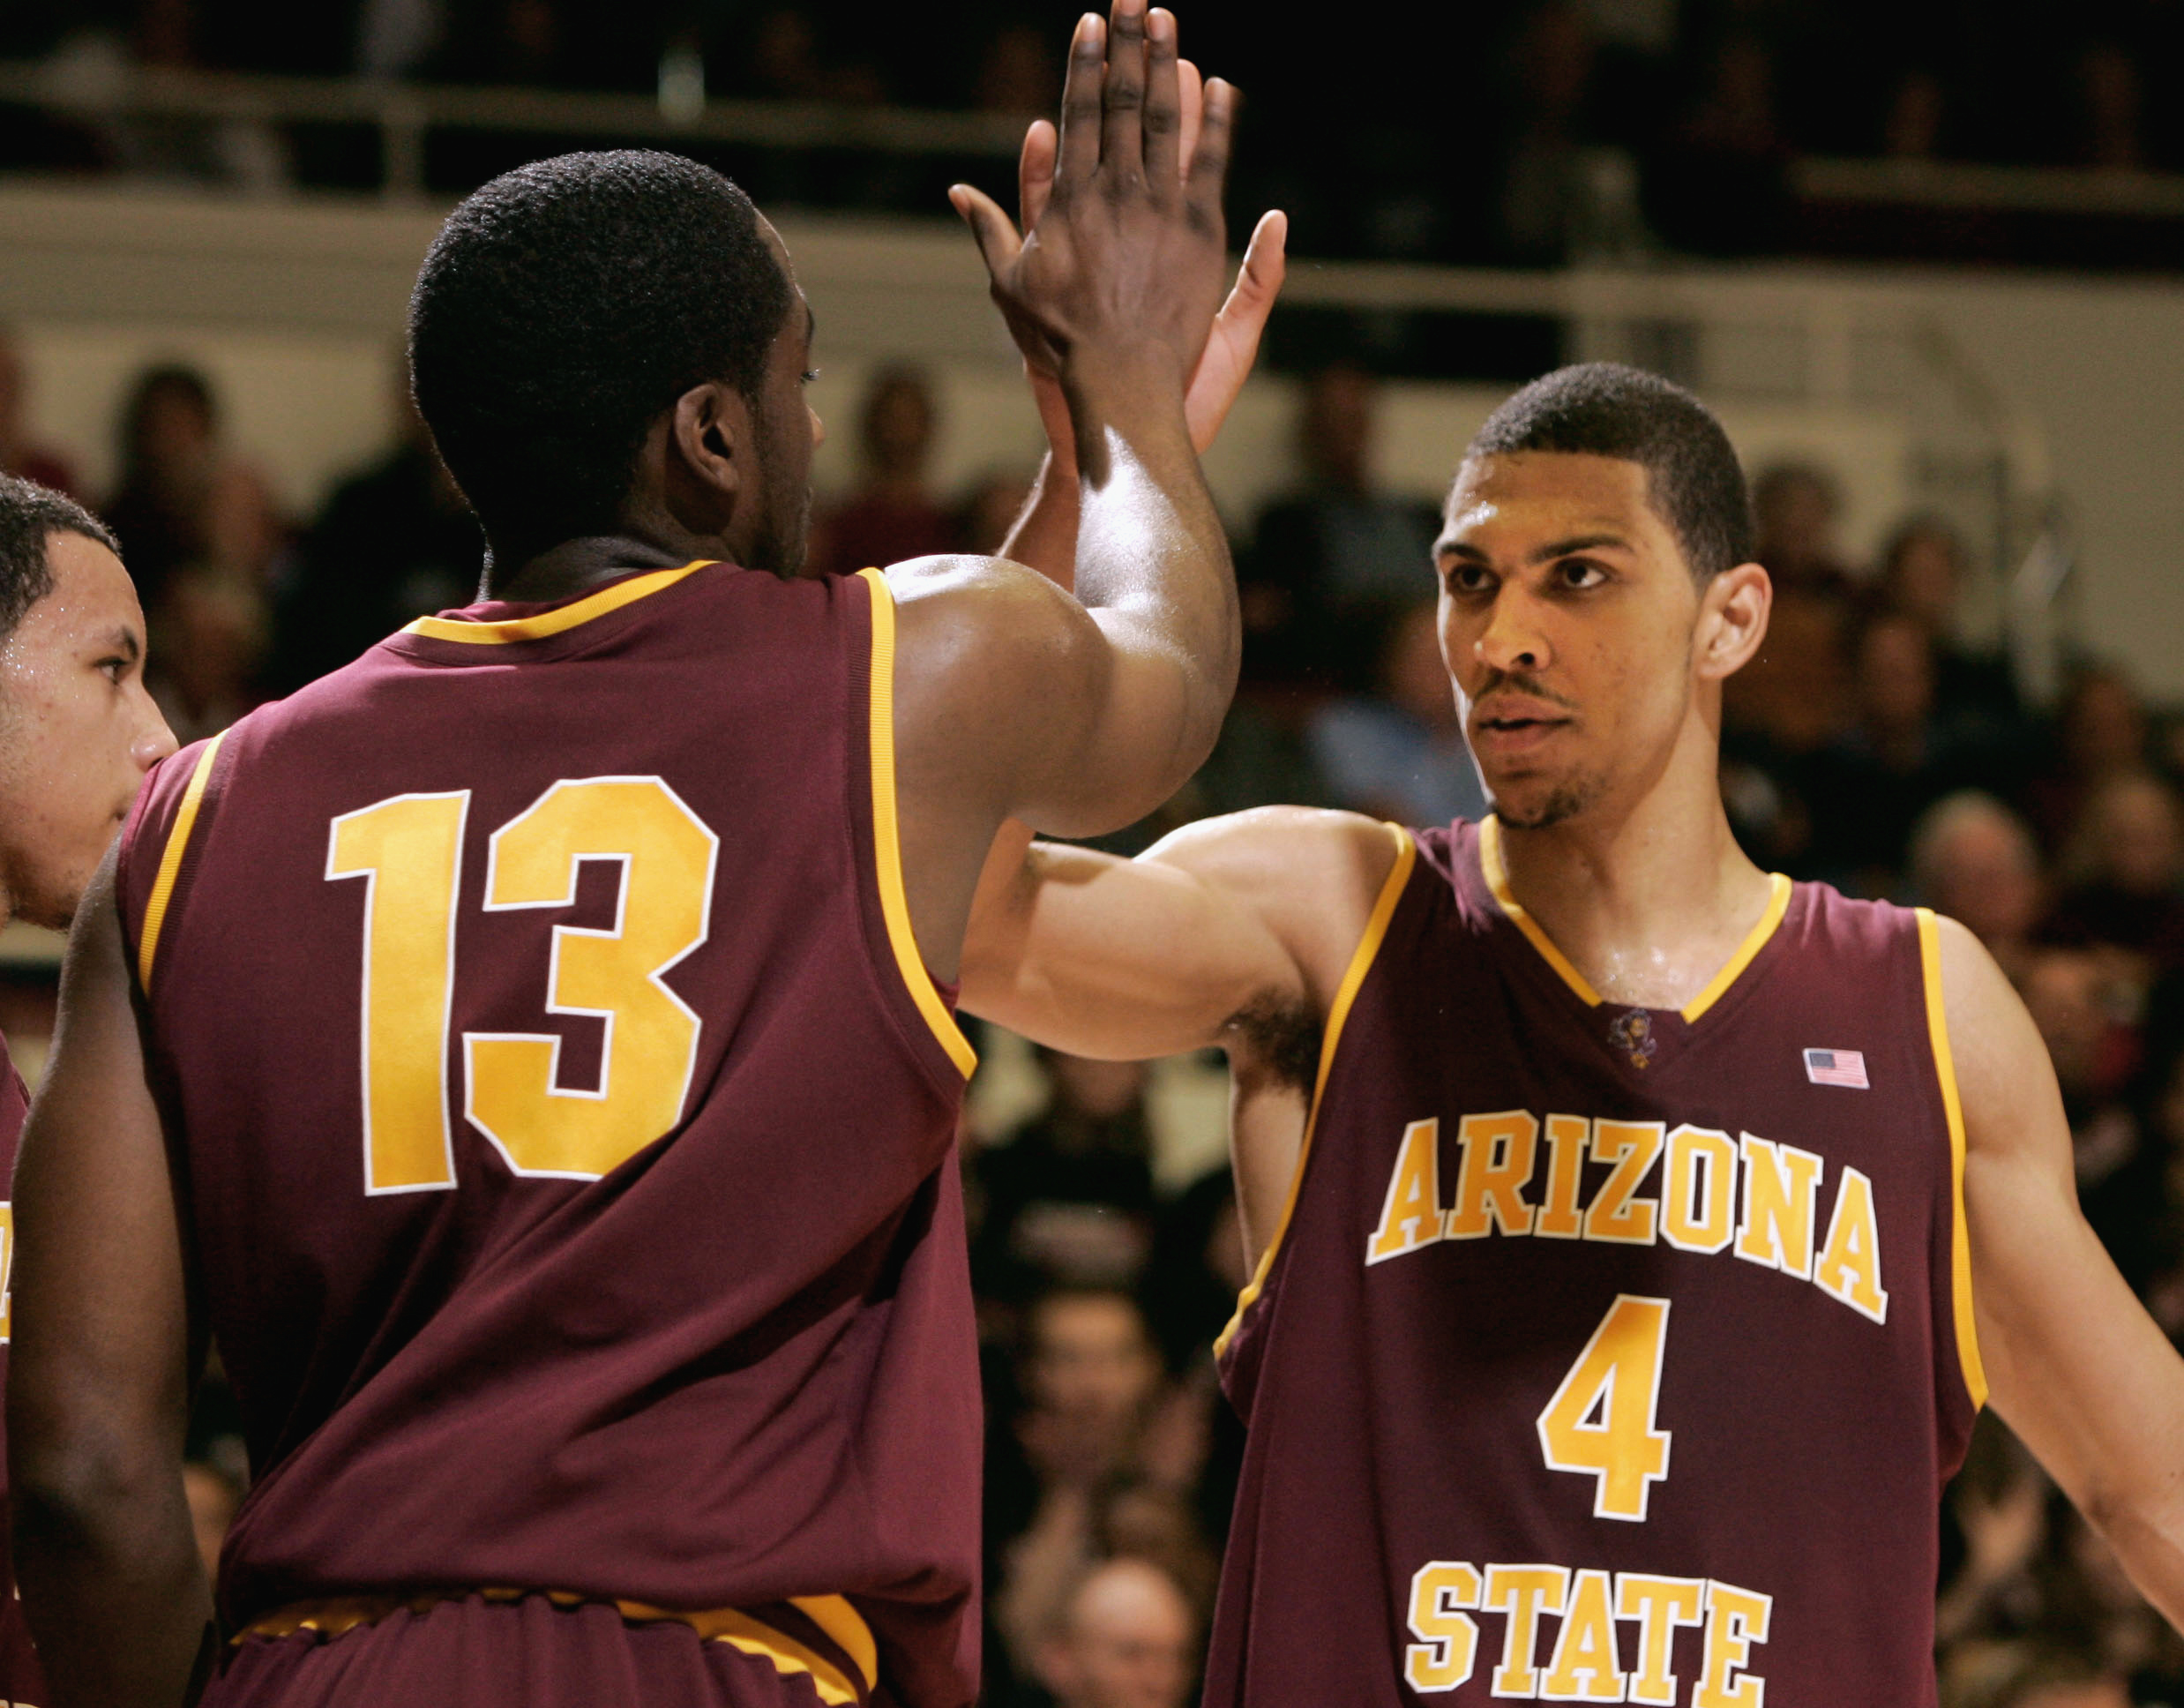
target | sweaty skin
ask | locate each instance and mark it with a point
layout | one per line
(1588, 665)
(1012, 699)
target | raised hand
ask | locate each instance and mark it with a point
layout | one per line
(1232, 346)
(1123, 251)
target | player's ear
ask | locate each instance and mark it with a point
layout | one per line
(711, 448)
(1732, 621)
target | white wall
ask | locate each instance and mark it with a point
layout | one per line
(296, 312)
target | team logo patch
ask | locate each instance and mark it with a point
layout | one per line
(1837, 1067)
(1633, 1032)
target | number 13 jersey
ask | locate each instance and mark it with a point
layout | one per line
(567, 1121)
(1606, 1354)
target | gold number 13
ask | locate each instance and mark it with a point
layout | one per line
(409, 850)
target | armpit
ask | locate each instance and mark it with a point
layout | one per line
(1275, 1035)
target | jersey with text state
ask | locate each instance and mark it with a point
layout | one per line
(568, 1122)
(1607, 1354)
(22, 1679)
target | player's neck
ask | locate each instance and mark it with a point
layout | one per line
(574, 565)
(1649, 898)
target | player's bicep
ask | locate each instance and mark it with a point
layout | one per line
(100, 1355)
(2072, 1362)
(1123, 959)
(1071, 720)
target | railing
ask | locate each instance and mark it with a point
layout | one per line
(405, 113)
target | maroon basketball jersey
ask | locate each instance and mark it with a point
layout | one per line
(1606, 1354)
(22, 1679)
(568, 1125)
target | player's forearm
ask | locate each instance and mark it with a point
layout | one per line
(108, 1563)
(1152, 559)
(1045, 536)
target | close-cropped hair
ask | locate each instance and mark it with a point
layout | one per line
(563, 307)
(1693, 481)
(30, 516)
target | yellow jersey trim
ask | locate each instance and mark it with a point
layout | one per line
(170, 862)
(1497, 872)
(1496, 869)
(560, 620)
(1338, 1012)
(834, 1615)
(338, 1616)
(893, 900)
(1777, 905)
(1960, 1241)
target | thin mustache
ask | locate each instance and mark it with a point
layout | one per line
(1532, 688)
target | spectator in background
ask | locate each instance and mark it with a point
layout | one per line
(1542, 176)
(20, 453)
(1922, 575)
(2100, 732)
(182, 501)
(1868, 789)
(1069, 1198)
(1401, 753)
(2111, 99)
(1126, 1638)
(1975, 860)
(891, 515)
(1796, 509)
(1328, 562)
(395, 540)
(1722, 186)
(1780, 715)
(2122, 870)
(1018, 72)
(1913, 121)
(2070, 994)
(1092, 1383)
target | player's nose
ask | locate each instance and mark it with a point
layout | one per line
(1512, 639)
(154, 741)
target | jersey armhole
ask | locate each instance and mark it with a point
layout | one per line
(887, 845)
(1338, 1013)
(1960, 1245)
(177, 844)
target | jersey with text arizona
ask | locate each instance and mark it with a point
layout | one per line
(566, 1123)
(1606, 1354)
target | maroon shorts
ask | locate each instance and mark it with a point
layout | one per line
(531, 1654)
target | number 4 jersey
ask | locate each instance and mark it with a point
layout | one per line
(1606, 1354)
(566, 1124)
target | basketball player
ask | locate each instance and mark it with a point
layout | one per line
(529, 1050)
(78, 731)
(1636, 1234)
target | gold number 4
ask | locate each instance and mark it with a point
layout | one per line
(1601, 1419)
(408, 850)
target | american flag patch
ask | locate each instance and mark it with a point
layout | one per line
(1837, 1067)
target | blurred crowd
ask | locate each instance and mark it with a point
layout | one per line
(1512, 131)
(1872, 745)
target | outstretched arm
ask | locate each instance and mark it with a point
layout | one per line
(2074, 1363)
(1015, 699)
(98, 1387)
(1234, 931)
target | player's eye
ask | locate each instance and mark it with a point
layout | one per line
(1464, 576)
(114, 669)
(811, 374)
(1577, 572)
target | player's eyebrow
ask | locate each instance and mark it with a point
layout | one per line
(810, 323)
(1579, 542)
(124, 642)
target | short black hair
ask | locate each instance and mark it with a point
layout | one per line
(1605, 409)
(561, 308)
(30, 516)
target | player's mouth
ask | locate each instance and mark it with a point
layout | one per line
(1516, 727)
